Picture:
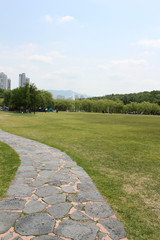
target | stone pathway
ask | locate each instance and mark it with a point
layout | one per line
(52, 198)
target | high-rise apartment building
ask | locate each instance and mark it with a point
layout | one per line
(5, 82)
(23, 80)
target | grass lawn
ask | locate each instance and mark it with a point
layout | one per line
(121, 153)
(9, 162)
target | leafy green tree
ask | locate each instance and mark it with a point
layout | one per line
(7, 97)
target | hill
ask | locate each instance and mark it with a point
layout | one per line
(67, 94)
(152, 97)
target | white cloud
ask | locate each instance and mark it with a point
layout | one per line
(48, 18)
(129, 62)
(41, 58)
(102, 66)
(155, 43)
(65, 19)
(56, 54)
(124, 63)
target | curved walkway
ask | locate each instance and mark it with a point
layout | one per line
(53, 199)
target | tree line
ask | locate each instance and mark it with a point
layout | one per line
(31, 99)
(107, 106)
(152, 97)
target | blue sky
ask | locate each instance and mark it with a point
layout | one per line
(95, 47)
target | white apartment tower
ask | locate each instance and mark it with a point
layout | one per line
(5, 82)
(23, 80)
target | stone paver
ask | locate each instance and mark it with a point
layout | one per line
(59, 210)
(34, 206)
(51, 198)
(77, 230)
(35, 224)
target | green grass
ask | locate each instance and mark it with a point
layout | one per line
(121, 153)
(9, 162)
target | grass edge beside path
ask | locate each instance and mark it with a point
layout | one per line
(9, 163)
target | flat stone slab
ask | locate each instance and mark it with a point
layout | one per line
(114, 227)
(46, 237)
(47, 173)
(77, 215)
(68, 189)
(56, 198)
(46, 191)
(38, 183)
(94, 196)
(99, 210)
(12, 204)
(59, 210)
(86, 187)
(20, 191)
(77, 230)
(26, 168)
(22, 181)
(17, 238)
(7, 219)
(34, 206)
(35, 224)
(76, 199)
(28, 174)
(58, 183)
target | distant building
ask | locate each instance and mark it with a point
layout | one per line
(23, 80)
(5, 82)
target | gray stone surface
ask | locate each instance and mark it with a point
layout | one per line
(46, 191)
(86, 186)
(58, 183)
(77, 215)
(68, 189)
(20, 191)
(34, 206)
(26, 168)
(56, 198)
(99, 210)
(46, 173)
(46, 237)
(22, 181)
(76, 199)
(17, 238)
(35, 224)
(59, 176)
(28, 174)
(38, 183)
(59, 210)
(101, 236)
(77, 230)
(114, 227)
(12, 204)
(94, 196)
(6, 220)
(79, 206)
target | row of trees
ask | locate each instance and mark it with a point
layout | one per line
(108, 106)
(28, 97)
(152, 97)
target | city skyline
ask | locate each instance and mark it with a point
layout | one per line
(5, 82)
(95, 47)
